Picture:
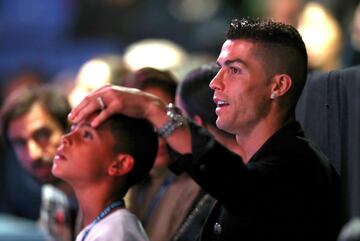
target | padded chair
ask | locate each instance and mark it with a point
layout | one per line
(329, 111)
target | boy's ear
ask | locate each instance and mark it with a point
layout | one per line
(122, 165)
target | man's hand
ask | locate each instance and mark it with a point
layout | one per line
(109, 100)
(121, 100)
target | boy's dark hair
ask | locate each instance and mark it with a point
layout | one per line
(196, 95)
(151, 77)
(21, 101)
(137, 138)
(281, 49)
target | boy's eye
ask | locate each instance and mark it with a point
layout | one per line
(87, 135)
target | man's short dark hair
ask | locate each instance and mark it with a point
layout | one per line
(21, 101)
(281, 49)
(137, 138)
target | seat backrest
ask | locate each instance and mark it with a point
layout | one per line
(329, 111)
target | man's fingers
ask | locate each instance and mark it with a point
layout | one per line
(101, 117)
(88, 106)
(82, 110)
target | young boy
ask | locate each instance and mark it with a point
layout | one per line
(101, 164)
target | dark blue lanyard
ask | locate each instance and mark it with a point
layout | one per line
(103, 214)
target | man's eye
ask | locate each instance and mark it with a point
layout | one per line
(234, 70)
(42, 135)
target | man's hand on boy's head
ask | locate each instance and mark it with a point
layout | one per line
(115, 99)
(133, 103)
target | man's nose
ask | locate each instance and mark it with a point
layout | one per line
(216, 82)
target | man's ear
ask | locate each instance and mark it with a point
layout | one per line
(281, 84)
(122, 165)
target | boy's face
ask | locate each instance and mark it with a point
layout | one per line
(84, 154)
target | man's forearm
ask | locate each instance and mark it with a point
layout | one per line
(180, 139)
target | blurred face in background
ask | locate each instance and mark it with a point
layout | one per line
(35, 137)
(162, 157)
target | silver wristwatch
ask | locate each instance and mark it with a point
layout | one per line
(175, 120)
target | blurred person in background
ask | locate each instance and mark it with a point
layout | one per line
(32, 122)
(196, 99)
(26, 77)
(164, 200)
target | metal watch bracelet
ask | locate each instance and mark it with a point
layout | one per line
(175, 120)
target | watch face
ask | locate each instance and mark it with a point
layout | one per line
(172, 110)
